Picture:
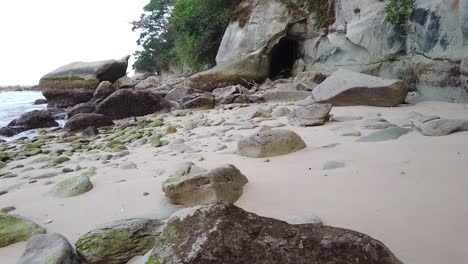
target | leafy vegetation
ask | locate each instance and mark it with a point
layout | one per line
(399, 11)
(182, 32)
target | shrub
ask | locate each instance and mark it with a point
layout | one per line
(399, 11)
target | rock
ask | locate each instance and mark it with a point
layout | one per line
(257, 111)
(280, 111)
(82, 121)
(178, 93)
(124, 82)
(72, 187)
(90, 132)
(224, 183)
(27, 121)
(14, 228)
(442, 127)
(49, 249)
(390, 133)
(76, 82)
(300, 220)
(128, 165)
(103, 90)
(270, 143)
(81, 109)
(376, 123)
(311, 78)
(7, 209)
(285, 96)
(224, 233)
(149, 82)
(344, 88)
(310, 115)
(2, 164)
(119, 241)
(332, 165)
(347, 132)
(130, 102)
(40, 102)
(198, 101)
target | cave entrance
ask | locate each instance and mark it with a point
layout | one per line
(283, 56)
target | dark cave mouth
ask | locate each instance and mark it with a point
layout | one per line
(283, 56)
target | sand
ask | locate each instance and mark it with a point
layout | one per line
(410, 193)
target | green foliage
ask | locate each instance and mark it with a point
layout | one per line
(187, 32)
(398, 11)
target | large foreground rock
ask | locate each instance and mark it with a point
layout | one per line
(224, 183)
(270, 143)
(76, 82)
(82, 121)
(72, 187)
(310, 115)
(344, 88)
(224, 233)
(14, 228)
(49, 249)
(119, 241)
(29, 120)
(130, 102)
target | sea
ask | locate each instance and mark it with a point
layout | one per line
(13, 104)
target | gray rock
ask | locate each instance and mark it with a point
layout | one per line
(224, 183)
(332, 165)
(198, 101)
(270, 143)
(435, 126)
(90, 132)
(280, 111)
(285, 95)
(347, 132)
(376, 123)
(128, 165)
(103, 90)
(27, 121)
(346, 87)
(149, 82)
(390, 133)
(49, 249)
(300, 220)
(72, 187)
(119, 241)
(124, 82)
(310, 115)
(82, 121)
(87, 107)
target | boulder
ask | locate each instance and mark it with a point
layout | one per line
(103, 90)
(436, 126)
(277, 95)
(27, 121)
(119, 241)
(224, 233)
(150, 82)
(178, 93)
(49, 249)
(40, 102)
(14, 228)
(234, 94)
(81, 108)
(90, 132)
(345, 88)
(270, 143)
(124, 82)
(310, 115)
(198, 101)
(82, 121)
(224, 183)
(130, 102)
(72, 187)
(76, 82)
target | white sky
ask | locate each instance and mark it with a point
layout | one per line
(38, 36)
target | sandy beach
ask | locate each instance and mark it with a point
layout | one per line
(409, 193)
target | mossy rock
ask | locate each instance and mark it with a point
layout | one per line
(60, 160)
(115, 145)
(118, 242)
(171, 130)
(34, 152)
(156, 123)
(14, 229)
(72, 187)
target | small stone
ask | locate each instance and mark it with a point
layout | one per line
(48, 221)
(7, 209)
(145, 194)
(332, 165)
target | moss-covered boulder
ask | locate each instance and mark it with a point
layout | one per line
(198, 186)
(14, 229)
(72, 187)
(119, 241)
(49, 249)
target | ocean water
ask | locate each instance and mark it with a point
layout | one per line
(13, 104)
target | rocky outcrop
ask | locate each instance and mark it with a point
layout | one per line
(224, 233)
(270, 143)
(49, 249)
(82, 121)
(119, 241)
(131, 102)
(345, 88)
(14, 228)
(197, 186)
(72, 187)
(76, 82)
(27, 121)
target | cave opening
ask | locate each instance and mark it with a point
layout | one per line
(283, 56)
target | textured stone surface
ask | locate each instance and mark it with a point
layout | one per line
(386, 134)
(310, 115)
(14, 228)
(224, 183)
(82, 121)
(72, 187)
(270, 143)
(119, 241)
(81, 108)
(27, 121)
(224, 233)
(49, 249)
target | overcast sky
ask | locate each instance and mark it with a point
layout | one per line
(38, 36)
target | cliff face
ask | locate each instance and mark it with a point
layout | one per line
(427, 51)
